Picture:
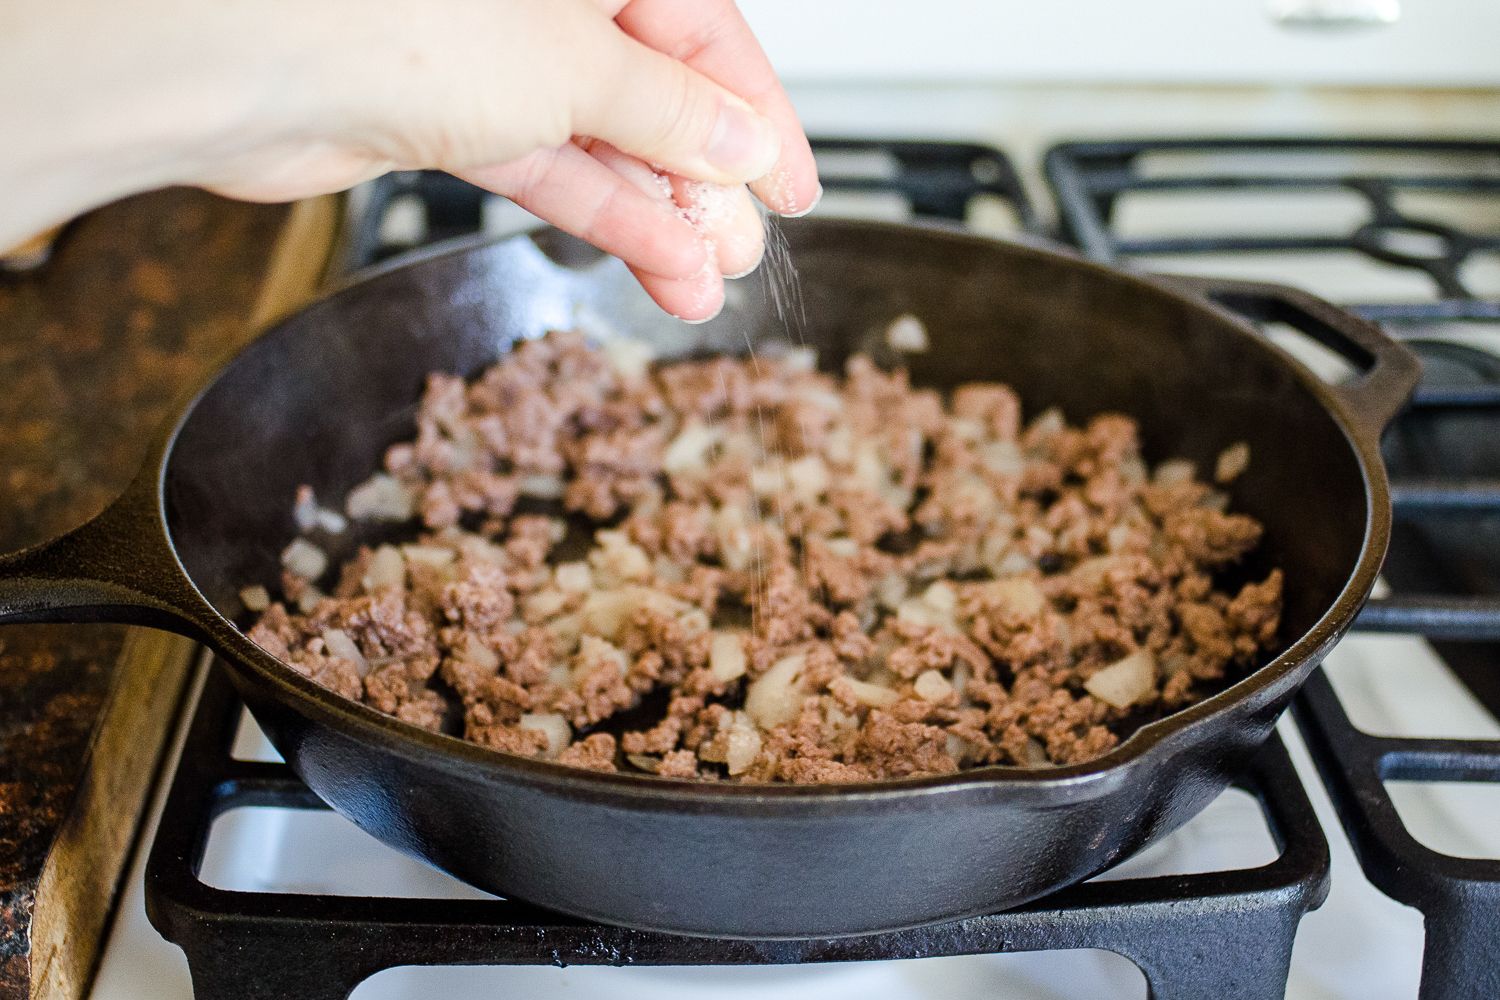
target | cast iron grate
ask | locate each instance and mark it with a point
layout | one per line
(1444, 459)
(1196, 937)
(939, 179)
(1091, 178)
(1446, 540)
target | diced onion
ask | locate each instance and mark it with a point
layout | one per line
(551, 725)
(255, 598)
(644, 762)
(427, 555)
(310, 516)
(303, 558)
(379, 498)
(726, 657)
(775, 697)
(628, 356)
(807, 478)
(310, 599)
(1014, 563)
(1233, 461)
(1049, 423)
(891, 590)
(1017, 594)
(605, 611)
(1126, 681)
(477, 653)
(566, 629)
(736, 545)
(941, 597)
(541, 486)
(543, 604)
(1033, 754)
(933, 687)
(342, 645)
(1173, 472)
(744, 744)
(386, 569)
(800, 359)
(669, 571)
(617, 559)
(907, 334)
(915, 611)
(843, 547)
(688, 451)
(1003, 458)
(872, 695)
(574, 577)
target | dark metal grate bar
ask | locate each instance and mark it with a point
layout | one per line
(1445, 494)
(936, 179)
(1458, 897)
(1464, 619)
(1089, 179)
(1437, 495)
(1182, 930)
(1463, 397)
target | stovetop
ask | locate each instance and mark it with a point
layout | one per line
(273, 895)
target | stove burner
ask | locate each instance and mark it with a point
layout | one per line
(1090, 178)
(1410, 243)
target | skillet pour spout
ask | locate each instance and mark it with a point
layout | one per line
(319, 397)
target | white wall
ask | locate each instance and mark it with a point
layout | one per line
(1447, 43)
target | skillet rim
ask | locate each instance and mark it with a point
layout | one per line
(365, 725)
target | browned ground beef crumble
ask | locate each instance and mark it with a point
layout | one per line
(809, 578)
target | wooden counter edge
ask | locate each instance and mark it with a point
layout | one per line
(80, 882)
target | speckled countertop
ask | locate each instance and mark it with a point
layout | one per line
(139, 301)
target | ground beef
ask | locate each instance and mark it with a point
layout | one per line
(774, 574)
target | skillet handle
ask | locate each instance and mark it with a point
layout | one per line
(1388, 370)
(118, 567)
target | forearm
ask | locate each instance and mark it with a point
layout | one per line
(576, 109)
(109, 99)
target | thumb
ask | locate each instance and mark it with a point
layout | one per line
(656, 108)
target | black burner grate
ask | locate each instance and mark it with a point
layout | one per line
(1196, 937)
(1091, 178)
(937, 179)
(1445, 569)
(1444, 459)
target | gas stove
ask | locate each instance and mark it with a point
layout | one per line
(1384, 787)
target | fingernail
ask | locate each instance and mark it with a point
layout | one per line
(740, 274)
(810, 206)
(743, 144)
(711, 316)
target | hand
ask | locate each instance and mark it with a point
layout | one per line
(558, 104)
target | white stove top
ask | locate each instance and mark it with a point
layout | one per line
(1360, 946)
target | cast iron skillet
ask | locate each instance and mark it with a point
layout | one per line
(317, 398)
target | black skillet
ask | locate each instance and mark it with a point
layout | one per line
(317, 399)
